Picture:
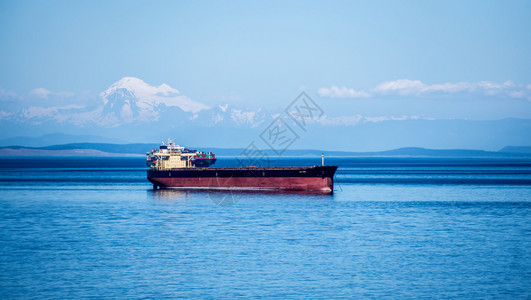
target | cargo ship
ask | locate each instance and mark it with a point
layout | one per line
(173, 166)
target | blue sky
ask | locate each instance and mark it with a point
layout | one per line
(438, 59)
(248, 48)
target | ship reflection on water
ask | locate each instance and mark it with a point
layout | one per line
(170, 194)
(228, 197)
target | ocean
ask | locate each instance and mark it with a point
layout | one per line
(394, 228)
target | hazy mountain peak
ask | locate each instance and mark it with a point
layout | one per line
(223, 107)
(141, 89)
(131, 99)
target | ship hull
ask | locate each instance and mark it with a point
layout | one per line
(318, 179)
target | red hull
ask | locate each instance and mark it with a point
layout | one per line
(311, 184)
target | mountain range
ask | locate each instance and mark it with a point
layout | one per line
(131, 101)
(138, 149)
(132, 111)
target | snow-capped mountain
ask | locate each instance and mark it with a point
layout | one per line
(132, 101)
(225, 115)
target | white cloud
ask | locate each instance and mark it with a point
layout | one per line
(340, 121)
(447, 87)
(46, 94)
(5, 114)
(40, 92)
(355, 120)
(402, 86)
(43, 112)
(73, 114)
(417, 87)
(394, 118)
(407, 87)
(341, 92)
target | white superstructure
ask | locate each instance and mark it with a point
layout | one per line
(170, 156)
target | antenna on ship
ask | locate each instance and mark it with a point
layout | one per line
(322, 159)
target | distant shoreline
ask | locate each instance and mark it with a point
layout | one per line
(138, 150)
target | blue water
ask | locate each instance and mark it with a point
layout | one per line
(394, 228)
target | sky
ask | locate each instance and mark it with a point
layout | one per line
(432, 59)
